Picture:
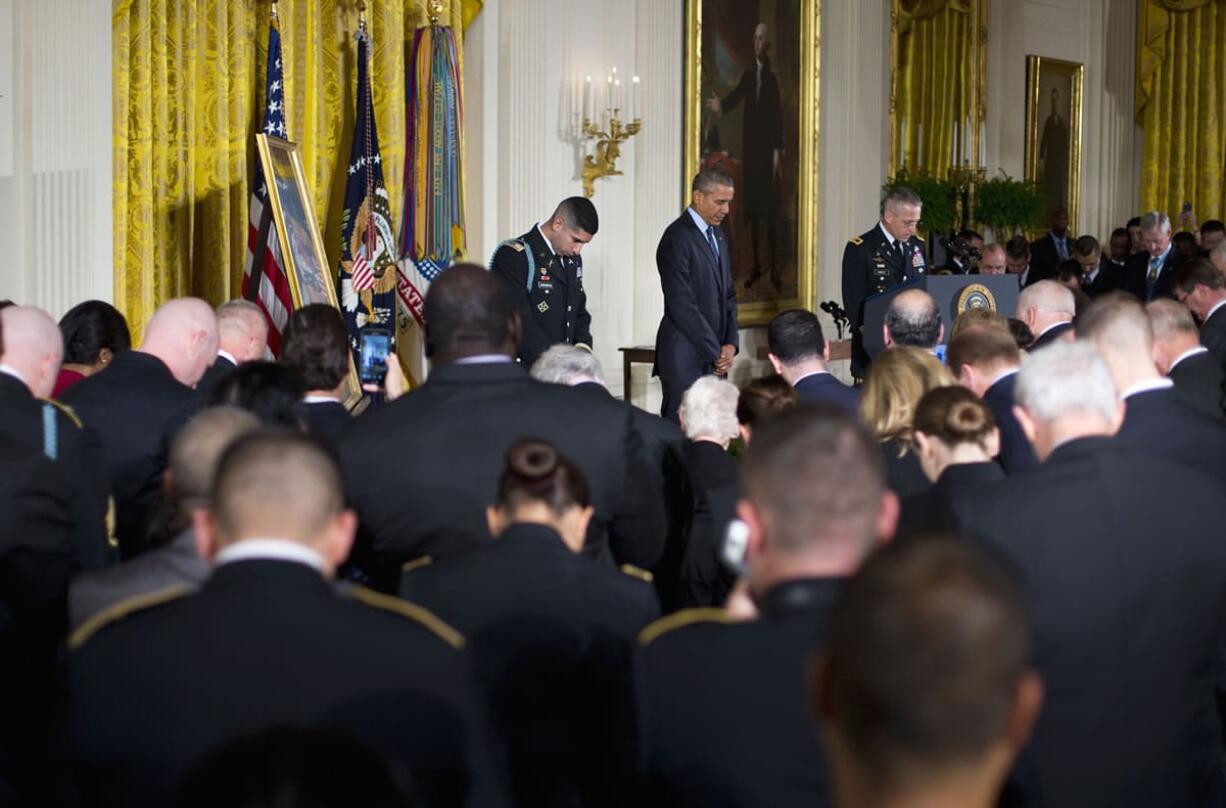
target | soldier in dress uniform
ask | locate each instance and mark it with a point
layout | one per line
(544, 273)
(885, 257)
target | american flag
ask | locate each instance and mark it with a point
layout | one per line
(264, 279)
(363, 272)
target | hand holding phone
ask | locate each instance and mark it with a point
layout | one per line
(374, 344)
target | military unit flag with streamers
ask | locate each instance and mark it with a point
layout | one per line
(264, 279)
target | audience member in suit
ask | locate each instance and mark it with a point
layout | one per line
(29, 365)
(723, 712)
(270, 391)
(94, 332)
(242, 334)
(1049, 251)
(798, 352)
(315, 344)
(139, 402)
(993, 261)
(1185, 245)
(1094, 276)
(194, 455)
(698, 333)
(1134, 235)
(985, 361)
(913, 318)
(1120, 251)
(1017, 261)
(663, 442)
(1197, 373)
(1156, 421)
(323, 767)
(1126, 626)
(1047, 309)
(1150, 271)
(268, 642)
(956, 439)
(898, 378)
(1201, 286)
(1023, 337)
(550, 631)
(1212, 233)
(708, 416)
(926, 693)
(1070, 275)
(401, 472)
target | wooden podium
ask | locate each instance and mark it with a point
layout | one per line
(953, 293)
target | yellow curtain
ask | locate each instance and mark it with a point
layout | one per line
(935, 70)
(1181, 105)
(188, 86)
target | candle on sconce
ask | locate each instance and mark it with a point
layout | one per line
(953, 146)
(636, 111)
(619, 105)
(983, 145)
(966, 142)
(902, 143)
(587, 98)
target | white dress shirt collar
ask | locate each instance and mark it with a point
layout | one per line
(227, 355)
(1199, 349)
(811, 375)
(320, 400)
(889, 238)
(9, 370)
(483, 359)
(698, 220)
(1160, 383)
(1216, 306)
(260, 549)
(1003, 375)
(548, 244)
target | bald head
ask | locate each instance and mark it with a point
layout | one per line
(279, 485)
(242, 330)
(197, 448)
(33, 346)
(183, 334)
(914, 319)
(1119, 327)
(1044, 304)
(1175, 332)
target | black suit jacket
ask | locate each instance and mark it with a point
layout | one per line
(78, 464)
(904, 474)
(421, 470)
(1138, 272)
(716, 485)
(1016, 453)
(214, 375)
(1051, 335)
(870, 267)
(1126, 625)
(723, 709)
(932, 511)
(550, 634)
(1213, 333)
(327, 420)
(761, 135)
(268, 643)
(136, 406)
(1158, 423)
(1199, 383)
(823, 387)
(699, 302)
(1045, 259)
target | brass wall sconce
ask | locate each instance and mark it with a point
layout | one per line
(608, 131)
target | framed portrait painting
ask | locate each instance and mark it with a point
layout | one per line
(1053, 131)
(302, 248)
(751, 89)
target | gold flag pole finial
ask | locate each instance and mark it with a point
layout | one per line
(274, 9)
(436, 11)
(362, 15)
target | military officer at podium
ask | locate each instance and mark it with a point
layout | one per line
(887, 256)
(544, 273)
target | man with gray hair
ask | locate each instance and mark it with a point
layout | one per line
(1157, 422)
(913, 318)
(242, 335)
(138, 403)
(1125, 626)
(1196, 372)
(698, 333)
(1150, 271)
(1047, 308)
(887, 256)
(189, 485)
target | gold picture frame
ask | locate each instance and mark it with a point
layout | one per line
(795, 194)
(302, 249)
(1059, 176)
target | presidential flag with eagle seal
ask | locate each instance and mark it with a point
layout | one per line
(367, 277)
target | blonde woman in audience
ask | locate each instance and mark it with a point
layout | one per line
(896, 381)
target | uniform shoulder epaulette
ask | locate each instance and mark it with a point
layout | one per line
(918, 237)
(514, 244)
(416, 563)
(637, 572)
(124, 608)
(856, 240)
(423, 617)
(64, 408)
(685, 617)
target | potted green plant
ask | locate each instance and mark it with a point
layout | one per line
(1009, 206)
(939, 198)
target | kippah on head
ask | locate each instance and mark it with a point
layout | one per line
(275, 484)
(928, 644)
(819, 475)
(467, 308)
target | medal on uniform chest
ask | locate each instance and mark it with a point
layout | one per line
(542, 307)
(917, 261)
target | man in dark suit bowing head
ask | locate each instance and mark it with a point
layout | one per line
(697, 334)
(799, 353)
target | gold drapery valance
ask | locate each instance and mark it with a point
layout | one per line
(1180, 98)
(188, 86)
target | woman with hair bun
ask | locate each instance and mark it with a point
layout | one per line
(550, 632)
(955, 436)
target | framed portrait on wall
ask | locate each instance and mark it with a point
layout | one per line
(302, 248)
(751, 89)
(1053, 131)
